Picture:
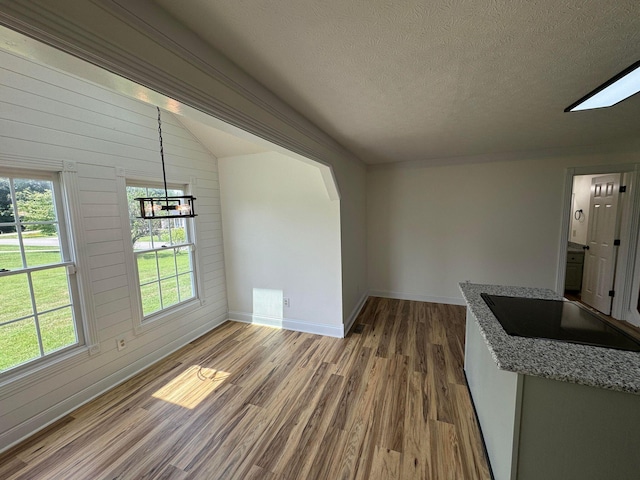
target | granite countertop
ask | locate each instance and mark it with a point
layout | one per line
(567, 362)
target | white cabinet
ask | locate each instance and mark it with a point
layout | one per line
(538, 428)
(573, 278)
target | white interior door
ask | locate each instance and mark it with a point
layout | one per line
(600, 258)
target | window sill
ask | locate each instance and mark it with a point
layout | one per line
(13, 382)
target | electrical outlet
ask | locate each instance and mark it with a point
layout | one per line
(121, 343)
(286, 301)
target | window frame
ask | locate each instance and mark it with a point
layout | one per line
(68, 261)
(175, 310)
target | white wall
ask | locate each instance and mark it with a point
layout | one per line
(281, 233)
(498, 222)
(48, 117)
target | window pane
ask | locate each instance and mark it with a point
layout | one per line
(167, 263)
(10, 258)
(35, 202)
(16, 297)
(51, 288)
(57, 329)
(41, 248)
(155, 233)
(6, 207)
(147, 267)
(186, 287)
(173, 232)
(183, 260)
(134, 205)
(150, 295)
(147, 234)
(169, 292)
(18, 343)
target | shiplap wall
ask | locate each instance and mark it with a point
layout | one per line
(47, 118)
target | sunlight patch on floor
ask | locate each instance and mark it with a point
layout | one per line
(192, 386)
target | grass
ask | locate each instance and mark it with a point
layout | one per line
(18, 341)
(26, 234)
(174, 290)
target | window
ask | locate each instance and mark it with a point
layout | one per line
(37, 277)
(163, 250)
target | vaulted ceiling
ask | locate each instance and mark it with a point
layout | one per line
(411, 80)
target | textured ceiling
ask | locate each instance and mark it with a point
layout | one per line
(415, 80)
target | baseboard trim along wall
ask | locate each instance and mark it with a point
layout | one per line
(417, 298)
(34, 424)
(288, 324)
(355, 312)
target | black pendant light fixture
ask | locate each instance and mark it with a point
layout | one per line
(166, 207)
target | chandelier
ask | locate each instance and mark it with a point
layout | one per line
(167, 206)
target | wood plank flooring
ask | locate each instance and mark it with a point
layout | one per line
(249, 402)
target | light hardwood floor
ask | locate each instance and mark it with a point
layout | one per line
(248, 402)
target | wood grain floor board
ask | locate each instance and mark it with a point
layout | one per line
(420, 342)
(249, 402)
(417, 438)
(351, 389)
(221, 460)
(448, 463)
(402, 328)
(289, 425)
(299, 464)
(45, 441)
(131, 390)
(471, 451)
(354, 449)
(444, 403)
(324, 463)
(375, 422)
(386, 463)
(169, 472)
(394, 403)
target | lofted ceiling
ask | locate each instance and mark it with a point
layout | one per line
(412, 80)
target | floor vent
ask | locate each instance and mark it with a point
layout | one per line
(358, 328)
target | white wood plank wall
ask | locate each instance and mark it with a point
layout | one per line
(47, 116)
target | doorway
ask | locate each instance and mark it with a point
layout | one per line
(600, 240)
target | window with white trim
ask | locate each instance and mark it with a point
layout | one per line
(38, 311)
(164, 254)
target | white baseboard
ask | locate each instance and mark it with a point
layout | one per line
(36, 423)
(289, 324)
(355, 312)
(417, 298)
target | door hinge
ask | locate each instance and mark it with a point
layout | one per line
(612, 293)
(616, 242)
(622, 189)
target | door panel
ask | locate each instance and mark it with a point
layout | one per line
(600, 259)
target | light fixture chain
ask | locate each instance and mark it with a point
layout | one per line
(164, 174)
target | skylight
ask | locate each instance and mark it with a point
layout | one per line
(620, 87)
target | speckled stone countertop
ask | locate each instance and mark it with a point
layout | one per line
(567, 362)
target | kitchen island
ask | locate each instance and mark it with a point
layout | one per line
(550, 409)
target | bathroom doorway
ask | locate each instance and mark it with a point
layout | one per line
(600, 240)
